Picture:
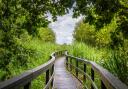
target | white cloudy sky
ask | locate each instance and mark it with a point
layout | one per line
(64, 28)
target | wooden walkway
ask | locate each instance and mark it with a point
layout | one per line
(63, 79)
(57, 77)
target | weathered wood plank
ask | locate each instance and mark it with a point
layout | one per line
(63, 79)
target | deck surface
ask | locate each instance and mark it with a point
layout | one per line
(63, 79)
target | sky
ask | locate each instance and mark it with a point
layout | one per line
(64, 27)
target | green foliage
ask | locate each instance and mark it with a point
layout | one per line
(35, 53)
(104, 35)
(101, 13)
(113, 48)
(118, 64)
(17, 17)
(46, 35)
(16, 51)
(88, 52)
(85, 33)
(113, 60)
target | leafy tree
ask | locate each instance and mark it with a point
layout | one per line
(85, 33)
(101, 13)
(46, 35)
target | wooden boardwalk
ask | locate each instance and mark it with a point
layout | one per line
(63, 79)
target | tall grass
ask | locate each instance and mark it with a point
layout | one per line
(118, 65)
(88, 52)
(39, 53)
(116, 61)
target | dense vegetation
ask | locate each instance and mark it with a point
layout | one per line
(22, 22)
(21, 53)
(98, 46)
(25, 36)
(105, 27)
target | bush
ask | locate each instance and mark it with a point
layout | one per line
(85, 33)
(118, 63)
(46, 35)
(18, 49)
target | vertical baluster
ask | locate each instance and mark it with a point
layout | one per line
(59, 53)
(102, 85)
(92, 77)
(47, 76)
(52, 74)
(27, 86)
(67, 61)
(77, 67)
(71, 64)
(84, 77)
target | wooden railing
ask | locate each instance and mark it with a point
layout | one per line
(107, 80)
(24, 80)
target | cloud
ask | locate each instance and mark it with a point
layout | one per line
(64, 28)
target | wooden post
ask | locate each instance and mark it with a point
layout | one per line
(27, 86)
(71, 64)
(77, 67)
(102, 85)
(84, 77)
(52, 74)
(47, 76)
(67, 61)
(92, 77)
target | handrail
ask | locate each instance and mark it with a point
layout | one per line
(87, 75)
(108, 80)
(24, 80)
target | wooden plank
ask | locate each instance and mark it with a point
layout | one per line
(87, 76)
(63, 79)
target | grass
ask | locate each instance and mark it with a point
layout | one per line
(39, 53)
(88, 52)
(114, 61)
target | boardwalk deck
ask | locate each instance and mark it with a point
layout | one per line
(63, 79)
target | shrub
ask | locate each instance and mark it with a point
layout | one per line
(46, 35)
(118, 64)
(85, 33)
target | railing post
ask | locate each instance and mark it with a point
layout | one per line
(67, 61)
(71, 64)
(52, 74)
(47, 76)
(77, 67)
(27, 86)
(84, 77)
(92, 77)
(102, 85)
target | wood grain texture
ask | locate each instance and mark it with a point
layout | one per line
(63, 79)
